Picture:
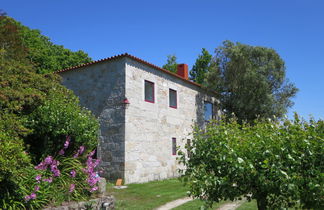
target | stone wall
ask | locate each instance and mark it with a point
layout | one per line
(101, 89)
(102, 203)
(136, 143)
(150, 127)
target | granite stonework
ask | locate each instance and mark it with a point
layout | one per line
(150, 127)
(136, 142)
(101, 203)
(101, 89)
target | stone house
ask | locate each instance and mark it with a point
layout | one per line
(145, 112)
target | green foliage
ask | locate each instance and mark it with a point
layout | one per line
(36, 104)
(34, 110)
(54, 192)
(46, 56)
(171, 64)
(250, 81)
(12, 160)
(200, 68)
(58, 116)
(280, 164)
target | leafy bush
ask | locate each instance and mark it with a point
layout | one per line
(37, 112)
(52, 121)
(280, 164)
(53, 181)
(12, 160)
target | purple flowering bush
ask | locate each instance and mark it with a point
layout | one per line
(59, 178)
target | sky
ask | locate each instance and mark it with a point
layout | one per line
(153, 29)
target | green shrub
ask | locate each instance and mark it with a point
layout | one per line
(280, 164)
(13, 160)
(60, 116)
(53, 181)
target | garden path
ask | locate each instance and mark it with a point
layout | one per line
(179, 202)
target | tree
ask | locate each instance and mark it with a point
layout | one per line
(171, 64)
(42, 53)
(25, 94)
(250, 81)
(278, 163)
(200, 68)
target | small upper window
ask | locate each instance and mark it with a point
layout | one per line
(173, 98)
(208, 111)
(149, 91)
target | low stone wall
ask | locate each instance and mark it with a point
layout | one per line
(102, 203)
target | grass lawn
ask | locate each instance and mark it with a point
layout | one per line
(147, 195)
(196, 204)
(253, 206)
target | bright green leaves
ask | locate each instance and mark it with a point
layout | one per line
(277, 163)
(171, 64)
(201, 67)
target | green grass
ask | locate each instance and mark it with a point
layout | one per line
(253, 206)
(196, 204)
(147, 195)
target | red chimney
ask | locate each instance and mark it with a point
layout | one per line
(182, 71)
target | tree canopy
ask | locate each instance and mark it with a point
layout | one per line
(36, 111)
(278, 163)
(171, 64)
(201, 67)
(42, 53)
(250, 81)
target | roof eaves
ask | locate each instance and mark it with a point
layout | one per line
(132, 57)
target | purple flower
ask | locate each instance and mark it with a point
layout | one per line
(81, 150)
(72, 187)
(49, 180)
(36, 188)
(61, 152)
(41, 166)
(76, 154)
(73, 173)
(27, 198)
(94, 189)
(32, 196)
(54, 168)
(91, 153)
(67, 142)
(56, 162)
(48, 160)
(38, 178)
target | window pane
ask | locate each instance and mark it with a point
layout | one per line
(208, 111)
(174, 146)
(173, 98)
(149, 91)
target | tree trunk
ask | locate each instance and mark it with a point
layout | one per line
(262, 203)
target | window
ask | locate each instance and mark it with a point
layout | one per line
(208, 111)
(174, 146)
(173, 98)
(149, 91)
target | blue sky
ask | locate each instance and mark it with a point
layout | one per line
(154, 29)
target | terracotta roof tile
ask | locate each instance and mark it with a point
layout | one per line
(132, 57)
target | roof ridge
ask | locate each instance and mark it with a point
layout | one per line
(132, 57)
